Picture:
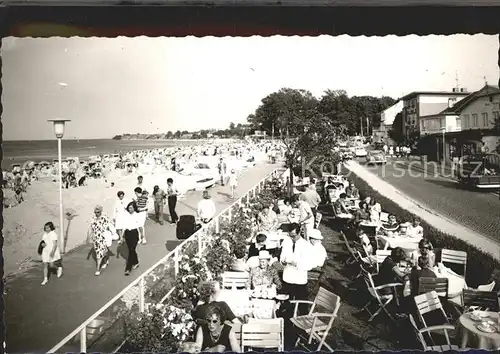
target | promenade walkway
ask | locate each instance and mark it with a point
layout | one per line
(37, 317)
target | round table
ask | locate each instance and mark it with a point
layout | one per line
(474, 338)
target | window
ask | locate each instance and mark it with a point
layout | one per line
(459, 123)
(496, 117)
(486, 123)
(474, 120)
(442, 122)
(466, 121)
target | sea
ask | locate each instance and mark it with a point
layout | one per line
(21, 151)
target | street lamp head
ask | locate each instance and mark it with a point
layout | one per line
(59, 125)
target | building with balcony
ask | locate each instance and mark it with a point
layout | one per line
(467, 127)
(426, 103)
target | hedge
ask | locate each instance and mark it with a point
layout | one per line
(482, 268)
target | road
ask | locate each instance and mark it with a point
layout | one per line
(476, 210)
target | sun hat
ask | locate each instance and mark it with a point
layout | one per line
(315, 234)
(264, 255)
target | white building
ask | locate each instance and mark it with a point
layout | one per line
(426, 103)
(387, 117)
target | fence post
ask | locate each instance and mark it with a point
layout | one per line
(229, 214)
(216, 225)
(83, 340)
(176, 261)
(142, 290)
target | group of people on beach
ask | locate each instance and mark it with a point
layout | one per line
(127, 224)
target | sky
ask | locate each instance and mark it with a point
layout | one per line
(152, 85)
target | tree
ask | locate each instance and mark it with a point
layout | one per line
(305, 131)
(232, 126)
(177, 134)
(170, 135)
(396, 132)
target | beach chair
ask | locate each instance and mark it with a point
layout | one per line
(427, 303)
(262, 334)
(236, 329)
(317, 324)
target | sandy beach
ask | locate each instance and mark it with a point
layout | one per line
(23, 224)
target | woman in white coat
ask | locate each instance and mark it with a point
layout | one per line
(51, 253)
(120, 213)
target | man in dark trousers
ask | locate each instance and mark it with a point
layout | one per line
(160, 198)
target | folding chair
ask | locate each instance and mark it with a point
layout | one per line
(317, 324)
(317, 220)
(437, 348)
(378, 297)
(429, 302)
(480, 300)
(236, 329)
(262, 334)
(439, 285)
(234, 280)
(381, 255)
(454, 257)
(353, 255)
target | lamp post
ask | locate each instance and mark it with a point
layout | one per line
(59, 125)
(443, 130)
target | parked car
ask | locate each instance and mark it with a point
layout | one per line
(480, 171)
(376, 157)
(360, 152)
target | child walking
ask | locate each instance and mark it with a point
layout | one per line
(233, 182)
(51, 253)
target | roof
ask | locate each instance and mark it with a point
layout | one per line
(434, 93)
(464, 102)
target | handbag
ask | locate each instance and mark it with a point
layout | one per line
(41, 246)
(108, 238)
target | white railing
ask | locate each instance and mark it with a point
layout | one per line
(140, 284)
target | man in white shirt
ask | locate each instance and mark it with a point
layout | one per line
(306, 218)
(318, 251)
(311, 197)
(295, 256)
(206, 208)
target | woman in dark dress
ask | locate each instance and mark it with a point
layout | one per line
(215, 336)
(389, 271)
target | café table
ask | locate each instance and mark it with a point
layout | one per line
(243, 304)
(473, 337)
(369, 227)
(405, 242)
(274, 238)
(456, 283)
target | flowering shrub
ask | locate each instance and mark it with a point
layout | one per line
(219, 257)
(192, 270)
(162, 328)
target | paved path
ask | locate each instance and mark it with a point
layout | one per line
(37, 317)
(434, 203)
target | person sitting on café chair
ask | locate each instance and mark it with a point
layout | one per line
(352, 191)
(263, 275)
(391, 224)
(339, 208)
(257, 246)
(209, 291)
(267, 220)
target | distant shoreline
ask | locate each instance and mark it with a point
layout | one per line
(22, 151)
